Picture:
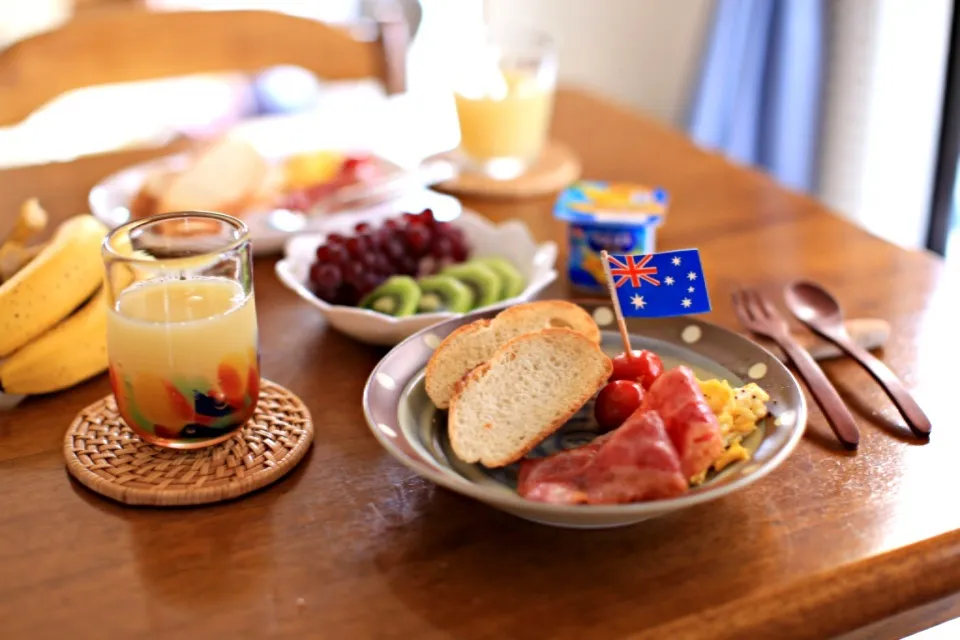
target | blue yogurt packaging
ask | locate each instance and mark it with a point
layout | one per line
(612, 216)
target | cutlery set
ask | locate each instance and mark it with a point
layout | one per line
(821, 313)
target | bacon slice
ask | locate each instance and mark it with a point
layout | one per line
(637, 463)
(556, 478)
(692, 427)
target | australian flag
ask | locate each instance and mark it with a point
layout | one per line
(657, 285)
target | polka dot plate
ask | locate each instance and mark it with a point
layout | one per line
(413, 430)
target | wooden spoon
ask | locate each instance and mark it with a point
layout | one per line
(820, 311)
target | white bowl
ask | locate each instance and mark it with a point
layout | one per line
(511, 240)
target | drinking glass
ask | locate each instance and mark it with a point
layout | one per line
(504, 98)
(182, 327)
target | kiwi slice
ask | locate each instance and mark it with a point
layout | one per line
(444, 293)
(511, 282)
(481, 280)
(398, 296)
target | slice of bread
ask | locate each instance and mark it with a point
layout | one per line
(475, 343)
(224, 177)
(529, 388)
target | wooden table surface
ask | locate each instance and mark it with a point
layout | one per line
(353, 545)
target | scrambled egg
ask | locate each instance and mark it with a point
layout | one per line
(738, 410)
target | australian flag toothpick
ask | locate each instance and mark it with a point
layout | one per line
(658, 285)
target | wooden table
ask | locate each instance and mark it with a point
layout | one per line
(353, 545)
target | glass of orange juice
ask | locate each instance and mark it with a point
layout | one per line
(182, 327)
(503, 90)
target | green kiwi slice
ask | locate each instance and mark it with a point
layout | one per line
(481, 280)
(511, 282)
(398, 296)
(444, 293)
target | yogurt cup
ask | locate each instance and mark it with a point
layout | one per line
(607, 216)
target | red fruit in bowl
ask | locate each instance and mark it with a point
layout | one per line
(418, 239)
(427, 216)
(356, 246)
(442, 247)
(643, 367)
(336, 238)
(326, 275)
(616, 401)
(362, 227)
(392, 224)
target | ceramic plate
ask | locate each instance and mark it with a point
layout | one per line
(269, 230)
(413, 430)
(511, 240)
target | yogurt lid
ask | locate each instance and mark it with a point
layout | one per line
(601, 201)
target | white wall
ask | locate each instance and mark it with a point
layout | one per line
(641, 52)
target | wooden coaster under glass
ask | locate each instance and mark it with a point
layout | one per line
(107, 457)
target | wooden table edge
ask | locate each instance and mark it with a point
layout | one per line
(832, 603)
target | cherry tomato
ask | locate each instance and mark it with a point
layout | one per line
(617, 400)
(644, 367)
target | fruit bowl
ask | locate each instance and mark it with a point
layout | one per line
(510, 241)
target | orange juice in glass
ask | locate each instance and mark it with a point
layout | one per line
(504, 99)
(182, 327)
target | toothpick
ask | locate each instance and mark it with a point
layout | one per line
(621, 323)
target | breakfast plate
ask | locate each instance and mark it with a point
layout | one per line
(114, 199)
(510, 240)
(409, 426)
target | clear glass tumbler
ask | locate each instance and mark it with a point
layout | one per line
(503, 90)
(182, 327)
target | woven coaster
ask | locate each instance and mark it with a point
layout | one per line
(106, 456)
(556, 169)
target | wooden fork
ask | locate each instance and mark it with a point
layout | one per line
(758, 314)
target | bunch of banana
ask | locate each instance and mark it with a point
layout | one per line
(53, 310)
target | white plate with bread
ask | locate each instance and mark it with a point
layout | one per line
(502, 406)
(230, 175)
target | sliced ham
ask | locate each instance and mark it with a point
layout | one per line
(692, 427)
(637, 463)
(556, 478)
(632, 463)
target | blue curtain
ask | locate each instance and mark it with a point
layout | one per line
(758, 99)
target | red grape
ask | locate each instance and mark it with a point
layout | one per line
(616, 402)
(367, 282)
(644, 367)
(407, 267)
(415, 219)
(418, 239)
(394, 250)
(383, 265)
(460, 252)
(352, 272)
(362, 227)
(336, 238)
(392, 224)
(427, 216)
(356, 246)
(347, 294)
(325, 275)
(327, 294)
(444, 229)
(337, 254)
(442, 248)
(323, 254)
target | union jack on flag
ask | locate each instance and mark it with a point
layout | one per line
(658, 285)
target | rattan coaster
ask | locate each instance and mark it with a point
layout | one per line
(105, 455)
(556, 169)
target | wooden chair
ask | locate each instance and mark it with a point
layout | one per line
(124, 45)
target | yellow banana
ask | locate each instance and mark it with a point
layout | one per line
(64, 274)
(69, 353)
